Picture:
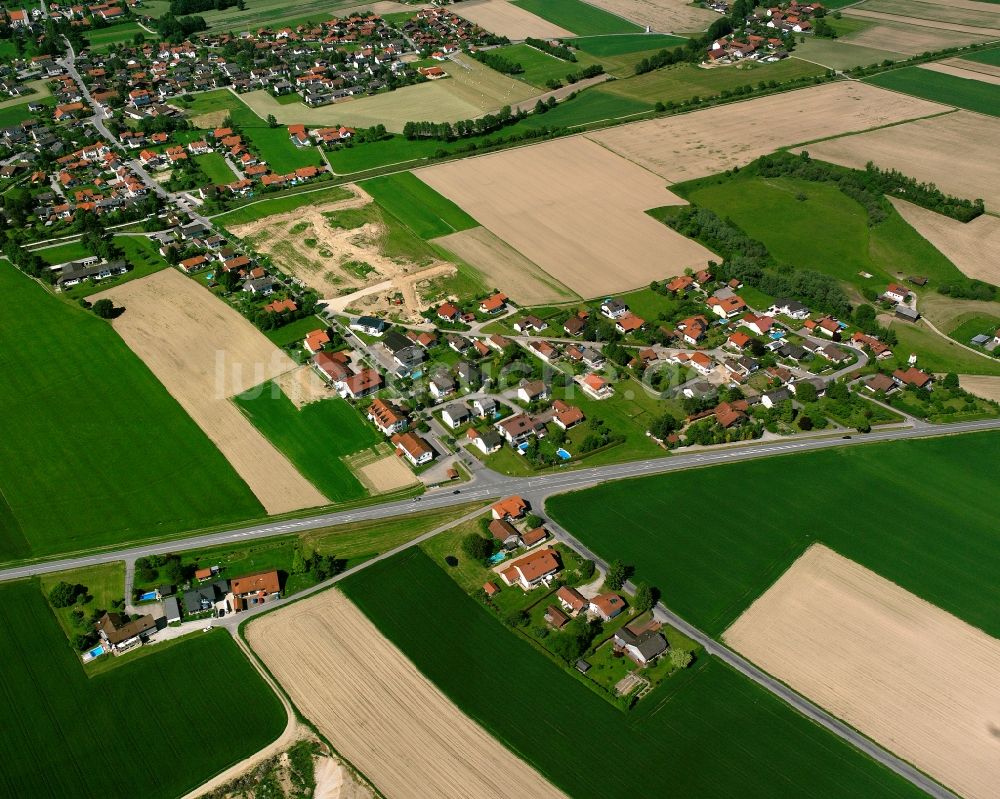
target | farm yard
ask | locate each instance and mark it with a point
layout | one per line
(204, 352)
(469, 656)
(56, 501)
(856, 644)
(925, 149)
(379, 711)
(941, 544)
(557, 204)
(973, 94)
(60, 723)
(507, 19)
(716, 139)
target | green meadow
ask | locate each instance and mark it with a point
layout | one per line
(419, 207)
(625, 45)
(973, 95)
(581, 18)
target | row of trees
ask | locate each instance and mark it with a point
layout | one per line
(180, 7)
(176, 29)
(498, 62)
(556, 50)
(447, 131)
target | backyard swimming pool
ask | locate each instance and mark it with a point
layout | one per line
(497, 557)
(563, 454)
(148, 596)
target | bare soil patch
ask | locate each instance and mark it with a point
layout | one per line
(910, 676)
(204, 352)
(911, 39)
(955, 151)
(716, 139)
(575, 209)
(335, 781)
(382, 714)
(983, 386)
(663, 16)
(923, 23)
(505, 268)
(953, 68)
(381, 472)
(210, 119)
(974, 247)
(302, 385)
(506, 19)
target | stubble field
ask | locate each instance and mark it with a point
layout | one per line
(576, 210)
(925, 149)
(381, 713)
(716, 139)
(900, 37)
(910, 676)
(957, 69)
(204, 352)
(506, 19)
(663, 16)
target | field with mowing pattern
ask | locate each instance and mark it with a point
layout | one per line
(581, 18)
(59, 723)
(79, 442)
(418, 206)
(467, 653)
(911, 511)
(973, 95)
(312, 437)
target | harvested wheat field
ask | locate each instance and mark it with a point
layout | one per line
(930, 24)
(985, 386)
(481, 86)
(379, 712)
(204, 352)
(910, 39)
(965, 12)
(716, 139)
(506, 19)
(956, 68)
(957, 152)
(662, 16)
(974, 247)
(972, 66)
(505, 268)
(913, 678)
(380, 470)
(575, 209)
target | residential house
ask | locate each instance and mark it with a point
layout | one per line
(878, 349)
(455, 415)
(642, 643)
(206, 596)
(513, 507)
(515, 429)
(120, 634)
(629, 323)
(737, 341)
(365, 382)
(574, 326)
(593, 358)
(913, 377)
(771, 398)
(487, 442)
(315, 341)
(793, 352)
(370, 325)
(414, 448)
(880, 383)
(828, 326)
(544, 350)
(529, 324)
(459, 344)
(533, 569)
(332, 366)
(572, 600)
(896, 293)
(532, 391)
(532, 538)
(504, 532)
(818, 383)
(493, 304)
(448, 312)
(555, 617)
(693, 329)
(254, 589)
(499, 343)
(790, 308)
(681, 283)
(614, 308)
(832, 353)
(441, 385)
(608, 605)
(469, 374)
(171, 610)
(726, 307)
(387, 417)
(760, 325)
(566, 416)
(484, 407)
(596, 386)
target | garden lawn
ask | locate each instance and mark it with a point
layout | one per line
(105, 583)
(581, 18)
(712, 540)
(96, 451)
(295, 331)
(13, 114)
(939, 354)
(313, 437)
(215, 168)
(102, 38)
(623, 45)
(59, 723)
(973, 326)
(973, 95)
(541, 67)
(991, 57)
(417, 206)
(281, 204)
(821, 229)
(698, 719)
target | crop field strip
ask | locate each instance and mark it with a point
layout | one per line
(973, 95)
(579, 17)
(466, 652)
(910, 511)
(103, 433)
(59, 725)
(423, 210)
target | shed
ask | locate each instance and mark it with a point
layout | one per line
(171, 609)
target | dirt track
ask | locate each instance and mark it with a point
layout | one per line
(204, 352)
(915, 679)
(925, 149)
(381, 713)
(575, 209)
(711, 141)
(974, 247)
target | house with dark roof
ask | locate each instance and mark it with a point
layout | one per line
(643, 643)
(121, 634)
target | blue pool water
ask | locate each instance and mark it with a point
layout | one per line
(146, 597)
(97, 651)
(496, 557)
(415, 375)
(778, 334)
(523, 446)
(563, 454)
(209, 275)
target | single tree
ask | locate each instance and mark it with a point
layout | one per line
(950, 380)
(616, 575)
(104, 308)
(63, 594)
(680, 658)
(476, 547)
(643, 599)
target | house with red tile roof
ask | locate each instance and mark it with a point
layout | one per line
(608, 605)
(315, 340)
(413, 447)
(532, 570)
(513, 507)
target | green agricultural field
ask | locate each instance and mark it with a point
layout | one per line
(591, 105)
(313, 438)
(684, 81)
(277, 13)
(991, 57)
(837, 54)
(973, 95)
(295, 331)
(60, 723)
(940, 354)
(272, 144)
(827, 231)
(539, 67)
(911, 511)
(600, 46)
(696, 720)
(581, 18)
(417, 206)
(282, 204)
(215, 168)
(101, 39)
(78, 438)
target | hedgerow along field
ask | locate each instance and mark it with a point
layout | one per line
(424, 211)
(96, 451)
(468, 654)
(911, 511)
(312, 437)
(974, 95)
(63, 733)
(581, 18)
